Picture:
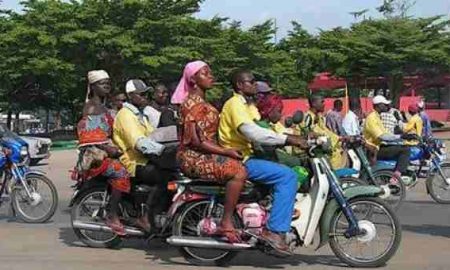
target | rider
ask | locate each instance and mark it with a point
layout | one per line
(200, 155)
(131, 133)
(315, 122)
(414, 124)
(97, 154)
(237, 130)
(375, 133)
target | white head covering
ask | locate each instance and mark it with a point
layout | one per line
(93, 77)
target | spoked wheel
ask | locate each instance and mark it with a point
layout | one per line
(397, 188)
(380, 238)
(89, 207)
(42, 204)
(437, 186)
(189, 223)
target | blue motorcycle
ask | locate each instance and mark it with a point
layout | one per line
(428, 160)
(33, 196)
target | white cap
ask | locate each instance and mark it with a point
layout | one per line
(137, 86)
(380, 100)
(421, 104)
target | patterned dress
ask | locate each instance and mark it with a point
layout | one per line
(95, 130)
(193, 162)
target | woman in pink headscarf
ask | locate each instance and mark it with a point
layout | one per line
(200, 155)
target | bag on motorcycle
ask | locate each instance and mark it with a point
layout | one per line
(92, 157)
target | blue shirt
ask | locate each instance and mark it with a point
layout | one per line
(426, 132)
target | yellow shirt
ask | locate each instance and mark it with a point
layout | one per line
(316, 123)
(373, 129)
(279, 128)
(415, 126)
(127, 130)
(236, 112)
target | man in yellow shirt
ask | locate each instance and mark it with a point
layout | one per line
(238, 130)
(374, 133)
(414, 124)
(315, 121)
(131, 133)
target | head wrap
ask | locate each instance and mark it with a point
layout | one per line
(93, 77)
(184, 86)
(413, 108)
(268, 104)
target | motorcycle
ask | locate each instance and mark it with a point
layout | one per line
(428, 160)
(90, 201)
(380, 174)
(350, 220)
(33, 196)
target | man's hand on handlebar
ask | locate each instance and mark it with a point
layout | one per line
(297, 141)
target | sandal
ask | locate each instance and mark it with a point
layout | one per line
(116, 227)
(146, 227)
(232, 235)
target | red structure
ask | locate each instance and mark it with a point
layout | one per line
(413, 87)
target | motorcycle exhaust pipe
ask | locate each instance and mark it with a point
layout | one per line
(99, 227)
(205, 242)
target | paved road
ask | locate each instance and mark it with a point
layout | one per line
(426, 238)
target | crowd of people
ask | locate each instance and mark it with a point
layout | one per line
(116, 141)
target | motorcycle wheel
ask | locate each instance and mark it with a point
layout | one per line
(383, 177)
(437, 187)
(187, 224)
(88, 208)
(42, 206)
(369, 213)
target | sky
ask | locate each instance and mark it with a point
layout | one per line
(313, 15)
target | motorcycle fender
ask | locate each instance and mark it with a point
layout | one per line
(380, 166)
(332, 207)
(35, 172)
(86, 185)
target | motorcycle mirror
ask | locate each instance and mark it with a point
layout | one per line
(297, 118)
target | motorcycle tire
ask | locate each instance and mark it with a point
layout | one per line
(191, 254)
(18, 196)
(113, 242)
(379, 260)
(432, 180)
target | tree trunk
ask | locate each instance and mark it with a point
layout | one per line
(395, 83)
(9, 120)
(58, 120)
(47, 121)
(17, 122)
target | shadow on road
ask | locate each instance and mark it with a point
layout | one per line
(434, 230)
(39, 164)
(159, 251)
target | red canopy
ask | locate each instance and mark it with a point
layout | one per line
(326, 81)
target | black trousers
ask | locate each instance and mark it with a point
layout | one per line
(395, 152)
(157, 173)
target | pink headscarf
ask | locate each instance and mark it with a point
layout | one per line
(184, 86)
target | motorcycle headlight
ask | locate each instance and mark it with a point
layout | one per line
(24, 151)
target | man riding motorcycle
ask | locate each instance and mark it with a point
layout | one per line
(238, 130)
(375, 133)
(131, 134)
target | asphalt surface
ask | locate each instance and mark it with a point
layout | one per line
(425, 243)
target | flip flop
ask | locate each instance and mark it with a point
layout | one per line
(117, 228)
(232, 235)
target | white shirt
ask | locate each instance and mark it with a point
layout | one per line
(351, 124)
(153, 116)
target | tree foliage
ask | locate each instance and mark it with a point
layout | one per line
(47, 50)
